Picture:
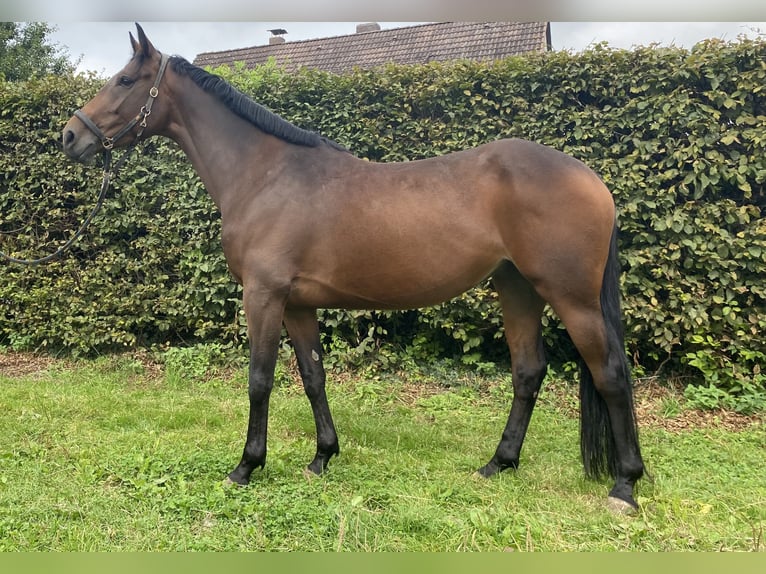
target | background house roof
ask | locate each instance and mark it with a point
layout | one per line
(371, 47)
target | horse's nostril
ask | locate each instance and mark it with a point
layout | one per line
(68, 137)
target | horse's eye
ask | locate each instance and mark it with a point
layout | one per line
(126, 81)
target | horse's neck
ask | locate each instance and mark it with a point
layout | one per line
(221, 146)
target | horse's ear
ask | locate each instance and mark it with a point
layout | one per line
(143, 45)
(133, 43)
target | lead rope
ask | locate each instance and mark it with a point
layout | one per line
(108, 175)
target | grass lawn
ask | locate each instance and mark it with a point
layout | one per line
(115, 454)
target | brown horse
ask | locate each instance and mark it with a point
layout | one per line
(307, 225)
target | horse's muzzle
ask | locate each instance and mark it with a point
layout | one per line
(79, 143)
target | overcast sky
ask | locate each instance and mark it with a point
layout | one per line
(105, 48)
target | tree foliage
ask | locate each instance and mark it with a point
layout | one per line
(678, 136)
(25, 52)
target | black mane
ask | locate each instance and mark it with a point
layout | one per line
(247, 109)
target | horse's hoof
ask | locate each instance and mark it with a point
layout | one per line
(309, 474)
(486, 471)
(620, 507)
(493, 467)
(229, 483)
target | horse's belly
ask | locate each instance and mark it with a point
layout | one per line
(389, 285)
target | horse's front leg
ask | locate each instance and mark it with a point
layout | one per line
(264, 311)
(303, 329)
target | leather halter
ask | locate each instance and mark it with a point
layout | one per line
(140, 119)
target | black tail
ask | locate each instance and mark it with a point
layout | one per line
(597, 444)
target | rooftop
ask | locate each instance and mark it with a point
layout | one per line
(370, 46)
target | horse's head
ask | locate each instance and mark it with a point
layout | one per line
(120, 113)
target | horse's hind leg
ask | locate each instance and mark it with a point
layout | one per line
(609, 437)
(522, 310)
(303, 328)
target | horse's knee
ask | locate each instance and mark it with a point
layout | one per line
(260, 385)
(313, 382)
(315, 389)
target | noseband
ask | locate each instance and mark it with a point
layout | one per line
(140, 119)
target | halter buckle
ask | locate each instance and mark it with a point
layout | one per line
(145, 113)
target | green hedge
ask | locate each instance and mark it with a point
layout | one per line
(678, 136)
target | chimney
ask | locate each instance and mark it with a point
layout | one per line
(276, 36)
(368, 27)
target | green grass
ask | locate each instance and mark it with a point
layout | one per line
(106, 455)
